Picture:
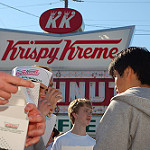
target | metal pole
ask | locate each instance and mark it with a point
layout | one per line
(66, 3)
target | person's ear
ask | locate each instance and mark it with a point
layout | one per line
(128, 72)
(74, 115)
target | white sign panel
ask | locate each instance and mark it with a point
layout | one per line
(88, 50)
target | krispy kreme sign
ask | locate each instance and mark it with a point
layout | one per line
(61, 20)
(52, 53)
(71, 51)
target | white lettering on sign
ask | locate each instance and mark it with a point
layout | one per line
(65, 22)
(52, 19)
(101, 92)
(77, 91)
(62, 86)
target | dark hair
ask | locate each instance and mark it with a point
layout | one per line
(138, 58)
(56, 132)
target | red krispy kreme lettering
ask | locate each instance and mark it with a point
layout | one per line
(27, 72)
(69, 51)
(11, 125)
(80, 51)
(30, 53)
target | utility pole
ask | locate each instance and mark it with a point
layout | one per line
(66, 3)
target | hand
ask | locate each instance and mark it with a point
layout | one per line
(9, 84)
(36, 126)
(44, 107)
(53, 96)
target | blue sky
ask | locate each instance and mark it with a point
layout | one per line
(97, 15)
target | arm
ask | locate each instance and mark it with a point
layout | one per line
(46, 109)
(36, 124)
(8, 85)
(113, 129)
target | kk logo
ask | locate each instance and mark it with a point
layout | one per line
(65, 21)
(61, 20)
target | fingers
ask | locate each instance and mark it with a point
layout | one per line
(3, 102)
(45, 107)
(32, 140)
(19, 81)
(53, 94)
(36, 126)
(54, 91)
(37, 118)
(59, 98)
(31, 109)
(34, 114)
(5, 95)
(24, 82)
(42, 102)
(9, 83)
(16, 80)
(38, 131)
(6, 87)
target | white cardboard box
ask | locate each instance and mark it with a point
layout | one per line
(13, 127)
(14, 121)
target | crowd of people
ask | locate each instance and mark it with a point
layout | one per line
(124, 125)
